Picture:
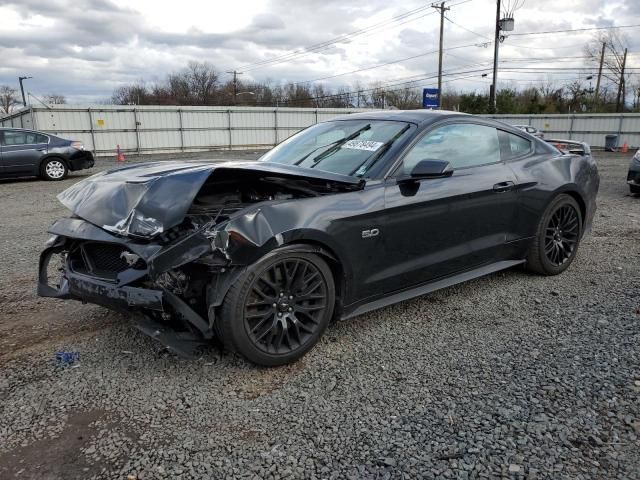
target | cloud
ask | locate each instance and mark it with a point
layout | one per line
(85, 48)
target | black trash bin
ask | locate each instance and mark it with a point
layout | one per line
(610, 143)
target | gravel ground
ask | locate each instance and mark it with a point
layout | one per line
(512, 375)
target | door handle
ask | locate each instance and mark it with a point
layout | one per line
(503, 186)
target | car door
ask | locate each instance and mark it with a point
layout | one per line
(22, 151)
(437, 227)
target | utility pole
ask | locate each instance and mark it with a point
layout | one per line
(496, 43)
(235, 85)
(620, 99)
(442, 9)
(604, 45)
(20, 79)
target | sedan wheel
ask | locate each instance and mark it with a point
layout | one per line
(281, 307)
(557, 238)
(54, 169)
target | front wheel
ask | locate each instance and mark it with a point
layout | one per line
(54, 169)
(557, 237)
(634, 189)
(279, 308)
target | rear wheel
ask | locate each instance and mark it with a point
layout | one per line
(557, 238)
(54, 169)
(279, 308)
(634, 188)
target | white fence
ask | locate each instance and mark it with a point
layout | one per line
(590, 128)
(158, 129)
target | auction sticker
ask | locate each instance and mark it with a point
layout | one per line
(368, 145)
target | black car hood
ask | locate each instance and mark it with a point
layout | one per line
(147, 199)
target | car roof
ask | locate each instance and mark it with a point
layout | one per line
(412, 116)
(22, 130)
(423, 118)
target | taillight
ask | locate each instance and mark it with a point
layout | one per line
(77, 145)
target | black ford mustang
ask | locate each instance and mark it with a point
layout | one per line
(345, 217)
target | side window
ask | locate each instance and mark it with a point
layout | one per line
(514, 146)
(460, 144)
(23, 138)
(15, 138)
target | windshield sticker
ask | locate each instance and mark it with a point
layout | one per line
(368, 145)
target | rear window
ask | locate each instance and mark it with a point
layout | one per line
(24, 138)
(513, 146)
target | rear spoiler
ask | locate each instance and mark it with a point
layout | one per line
(570, 146)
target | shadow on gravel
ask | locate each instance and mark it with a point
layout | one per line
(56, 457)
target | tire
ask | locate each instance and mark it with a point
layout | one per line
(557, 237)
(54, 169)
(273, 318)
(634, 189)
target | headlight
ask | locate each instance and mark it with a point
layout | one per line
(144, 226)
(136, 225)
(636, 157)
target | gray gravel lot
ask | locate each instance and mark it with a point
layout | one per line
(512, 375)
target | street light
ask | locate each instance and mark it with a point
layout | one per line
(20, 79)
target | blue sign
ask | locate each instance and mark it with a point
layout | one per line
(430, 98)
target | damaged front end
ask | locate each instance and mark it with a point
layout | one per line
(165, 242)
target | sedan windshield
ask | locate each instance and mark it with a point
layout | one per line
(347, 147)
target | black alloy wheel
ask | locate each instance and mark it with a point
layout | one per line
(286, 305)
(279, 308)
(561, 235)
(557, 237)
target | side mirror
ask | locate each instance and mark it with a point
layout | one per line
(429, 169)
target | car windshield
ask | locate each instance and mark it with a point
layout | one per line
(347, 147)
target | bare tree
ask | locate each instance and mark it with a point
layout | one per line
(202, 79)
(404, 98)
(8, 99)
(55, 99)
(636, 96)
(614, 56)
(134, 94)
(576, 96)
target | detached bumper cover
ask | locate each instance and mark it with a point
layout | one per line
(93, 290)
(118, 298)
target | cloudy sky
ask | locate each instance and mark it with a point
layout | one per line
(83, 49)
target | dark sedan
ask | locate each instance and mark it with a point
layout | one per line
(633, 177)
(343, 218)
(28, 153)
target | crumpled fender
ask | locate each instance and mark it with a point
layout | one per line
(252, 234)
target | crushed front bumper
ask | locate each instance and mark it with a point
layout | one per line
(152, 308)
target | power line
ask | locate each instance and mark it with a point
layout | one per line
(341, 38)
(316, 48)
(392, 62)
(470, 31)
(571, 30)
